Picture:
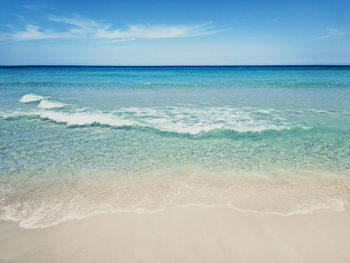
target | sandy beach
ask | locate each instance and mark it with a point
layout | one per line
(175, 131)
(189, 234)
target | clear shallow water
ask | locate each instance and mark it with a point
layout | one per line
(75, 141)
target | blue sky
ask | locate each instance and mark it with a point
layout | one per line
(174, 32)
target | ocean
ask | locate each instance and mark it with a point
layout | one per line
(78, 141)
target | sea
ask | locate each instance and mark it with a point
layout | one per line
(76, 141)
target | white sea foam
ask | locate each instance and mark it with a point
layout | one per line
(84, 118)
(49, 104)
(196, 120)
(31, 98)
(178, 119)
(184, 120)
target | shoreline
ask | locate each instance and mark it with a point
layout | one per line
(187, 234)
(48, 201)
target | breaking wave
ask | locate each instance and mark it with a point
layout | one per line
(49, 104)
(31, 98)
(178, 119)
(192, 125)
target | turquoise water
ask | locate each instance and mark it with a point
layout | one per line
(75, 141)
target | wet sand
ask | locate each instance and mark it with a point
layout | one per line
(189, 234)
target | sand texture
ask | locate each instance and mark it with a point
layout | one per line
(190, 234)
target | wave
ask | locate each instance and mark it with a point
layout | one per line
(28, 98)
(170, 125)
(49, 104)
(200, 122)
(44, 102)
(183, 120)
(79, 119)
(84, 119)
(180, 119)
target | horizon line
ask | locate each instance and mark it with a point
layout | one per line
(179, 65)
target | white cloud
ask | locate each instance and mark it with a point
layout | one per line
(158, 31)
(83, 28)
(32, 32)
(87, 25)
(333, 32)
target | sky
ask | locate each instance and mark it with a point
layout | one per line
(161, 32)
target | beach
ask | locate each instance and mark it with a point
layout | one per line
(188, 234)
(175, 164)
(175, 131)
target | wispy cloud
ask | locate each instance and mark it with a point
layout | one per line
(83, 28)
(32, 7)
(79, 24)
(333, 32)
(157, 31)
(33, 32)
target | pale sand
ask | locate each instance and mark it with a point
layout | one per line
(191, 234)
